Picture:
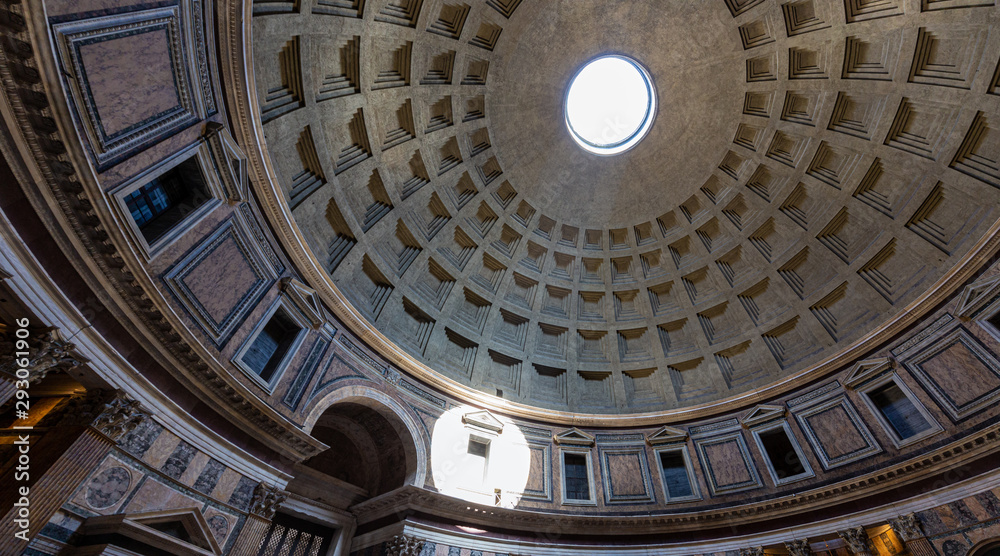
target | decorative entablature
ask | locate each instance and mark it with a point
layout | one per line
(574, 437)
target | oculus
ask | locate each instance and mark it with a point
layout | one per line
(610, 105)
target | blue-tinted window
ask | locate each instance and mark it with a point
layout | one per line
(898, 410)
(577, 481)
(270, 346)
(675, 474)
(147, 202)
(167, 199)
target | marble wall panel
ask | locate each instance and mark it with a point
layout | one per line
(221, 280)
(964, 393)
(837, 434)
(130, 83)
(726, 462)
(626, 475)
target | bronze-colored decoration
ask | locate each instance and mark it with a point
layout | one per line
(857, 539)
(266, 500)
(405, 545)
(907, 527)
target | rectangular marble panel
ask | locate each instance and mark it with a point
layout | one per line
(130, 80)
(961, 373)
(539, 484)
(221, 279)
(179, 460)
(727, 465)
(626, 475)
(836, 432)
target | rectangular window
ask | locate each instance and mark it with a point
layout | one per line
(782, 456)
(897, 409)
(271, 345)
(676, 478)
(167, 199)
(473, 469)
(575, 477)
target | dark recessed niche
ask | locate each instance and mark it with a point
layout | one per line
(781, 454)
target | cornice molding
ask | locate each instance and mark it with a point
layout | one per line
(981, 444)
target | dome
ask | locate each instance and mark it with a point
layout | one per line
(498, 277)
(781, 210)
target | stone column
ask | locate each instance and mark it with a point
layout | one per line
(752, 551)
(908, 528)
(62, 458)
(51, 352)
(858, 541)
(798, 547)
(405, 545)
(266, 501)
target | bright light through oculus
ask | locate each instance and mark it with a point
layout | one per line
(610, 105)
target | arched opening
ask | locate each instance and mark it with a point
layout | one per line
(373, 450)
(987, 548)
(366, 450)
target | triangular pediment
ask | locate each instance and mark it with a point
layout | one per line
(483, 420)
(184, 532)
(574, 437)
(305, 299)
(763, 414)
(863, 371)
(976, 296)
(666, 435)
(232, 162)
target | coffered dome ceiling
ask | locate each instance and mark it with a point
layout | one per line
(815, 168)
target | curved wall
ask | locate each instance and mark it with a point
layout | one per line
(167, 322)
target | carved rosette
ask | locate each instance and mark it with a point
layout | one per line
(266, 500)
(752, 551)
(857, 539)
(798, 547)
(113, 413)
(405, 545)
(907, 527)
(51, 353)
